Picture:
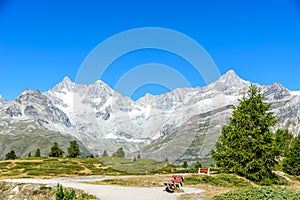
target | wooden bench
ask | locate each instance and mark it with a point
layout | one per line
(175, 183)
(204, 171)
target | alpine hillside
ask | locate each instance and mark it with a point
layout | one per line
(179, 125)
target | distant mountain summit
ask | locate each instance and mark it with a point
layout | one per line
(276, 92)
(230, 84)
(102, 119)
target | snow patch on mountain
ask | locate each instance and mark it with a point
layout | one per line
(296, 93)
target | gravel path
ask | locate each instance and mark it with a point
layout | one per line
(109, 192)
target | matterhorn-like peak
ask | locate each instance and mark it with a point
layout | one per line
(229, 76)
(65, 84)
(230, 84)
(66, 80)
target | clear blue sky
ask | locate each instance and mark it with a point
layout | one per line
(43, 41)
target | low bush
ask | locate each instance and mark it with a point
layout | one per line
(262, 193)
(224, 180)
(64, 194)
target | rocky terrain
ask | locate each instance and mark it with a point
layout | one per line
(20, 191)
(178, 125)
(34, 191)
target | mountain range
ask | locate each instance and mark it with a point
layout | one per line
(179, 125)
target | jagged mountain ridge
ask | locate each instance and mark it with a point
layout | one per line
(182, 124)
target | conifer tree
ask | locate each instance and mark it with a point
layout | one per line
(291, 163)
(55, 151)
(283, 141)
(74, 150)
(197, 165)
(105, 154)
(166, 160)
(11, 155)
(37, 153)
(247, 146)
(90, 156)
(119, 153)
(185, 164)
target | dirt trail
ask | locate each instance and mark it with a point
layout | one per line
(109, 192)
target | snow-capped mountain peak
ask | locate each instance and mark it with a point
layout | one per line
(230, 77)
(276, 92)
(100, 86)
(65, 84)
(29, 91)
(230, 84)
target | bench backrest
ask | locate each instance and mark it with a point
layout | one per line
(177, 176)
(203, 169)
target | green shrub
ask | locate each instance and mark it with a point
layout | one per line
(64, 194)
(44, 187)
(262, 193)
(86, 196)
(224, 180)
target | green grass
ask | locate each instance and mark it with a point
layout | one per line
(44, 166)
(263, 193)
(4, 165)
(223, 180)
(54, 167)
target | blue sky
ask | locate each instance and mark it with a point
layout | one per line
(43, 41)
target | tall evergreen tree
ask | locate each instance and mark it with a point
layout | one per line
(105, 154)
(37, 153)
(291, 163)
(73, 150)
(55, 151)
(90, 156)
(197, 165)
(283, 141)
(247, 146)
(11, 155)
(134, 159)
(166, 160)
(185, 164)
(119, 153)
(138, 156)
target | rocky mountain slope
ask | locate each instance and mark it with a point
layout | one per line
(179, 125)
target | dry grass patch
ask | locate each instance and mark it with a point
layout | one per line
(136, 181)
(52, 167)
(209, 192)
